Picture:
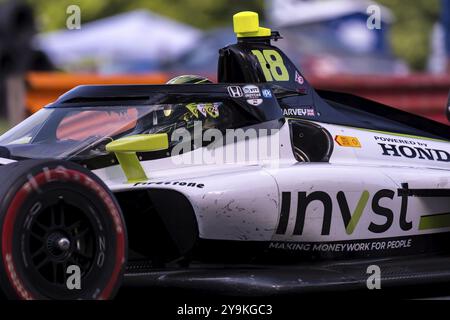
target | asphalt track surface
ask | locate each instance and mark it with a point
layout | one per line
(419, 277)
(179, 296)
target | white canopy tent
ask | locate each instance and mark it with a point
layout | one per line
(288, 12)
(136, 35)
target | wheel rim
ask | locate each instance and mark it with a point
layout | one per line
(91, 199)
(61, 234)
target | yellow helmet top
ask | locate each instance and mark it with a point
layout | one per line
(246, 24)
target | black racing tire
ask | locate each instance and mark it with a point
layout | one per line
(63, 235)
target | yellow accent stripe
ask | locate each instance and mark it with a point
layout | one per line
(358, 212)
(434, 221)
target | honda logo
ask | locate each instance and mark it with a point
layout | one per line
(235, 92)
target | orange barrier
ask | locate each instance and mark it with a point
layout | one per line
(82, 125)
(45, 87)
(421, 94)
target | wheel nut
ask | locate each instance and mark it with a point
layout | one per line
(63, 244)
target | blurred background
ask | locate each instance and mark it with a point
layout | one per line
(393, 51)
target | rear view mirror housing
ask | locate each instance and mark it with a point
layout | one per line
(125, 150)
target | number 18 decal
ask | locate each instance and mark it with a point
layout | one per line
(272, 65)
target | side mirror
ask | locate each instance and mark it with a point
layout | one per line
(125, 150)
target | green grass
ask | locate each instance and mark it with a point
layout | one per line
(4, 125)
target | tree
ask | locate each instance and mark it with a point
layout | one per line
(199, 13)
(410, 33)
(410, 37)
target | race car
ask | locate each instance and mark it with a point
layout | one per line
(161, 185)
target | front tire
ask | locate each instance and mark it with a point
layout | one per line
(63, 235)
